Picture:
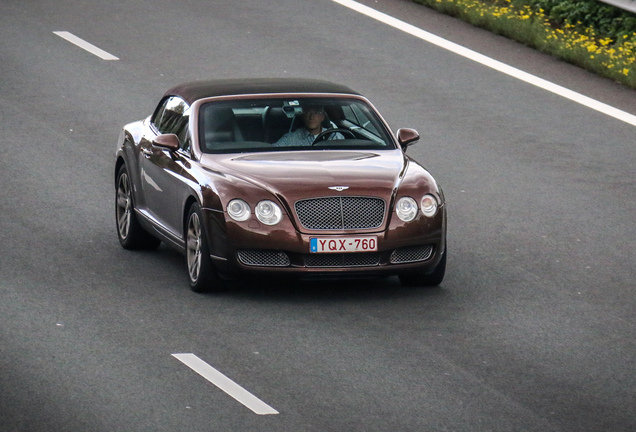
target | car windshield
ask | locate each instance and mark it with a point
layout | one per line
(256, 125)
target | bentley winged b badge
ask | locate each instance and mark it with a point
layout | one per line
(339, 188)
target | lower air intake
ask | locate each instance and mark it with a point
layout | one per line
(342, 260)
(411, 254)
(263, 258)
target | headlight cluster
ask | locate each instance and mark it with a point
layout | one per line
(406, 207)
(238, 210)
(266, 211)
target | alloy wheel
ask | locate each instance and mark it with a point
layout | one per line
(124, 205)
(194, 247)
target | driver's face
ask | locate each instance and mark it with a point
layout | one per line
(313, 118)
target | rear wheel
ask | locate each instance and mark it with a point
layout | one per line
(201, 272)
(131, 234)
(432, 279)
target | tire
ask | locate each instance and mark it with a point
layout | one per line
(130, 233)
(432, 279)
(201, 273)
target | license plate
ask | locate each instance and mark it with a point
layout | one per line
(343, 244)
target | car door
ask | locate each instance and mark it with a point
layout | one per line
(162, 170)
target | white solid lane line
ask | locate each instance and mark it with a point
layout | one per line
(85, 45)
(225, 384)
(489, 62)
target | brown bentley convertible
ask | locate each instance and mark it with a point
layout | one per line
(278, 176)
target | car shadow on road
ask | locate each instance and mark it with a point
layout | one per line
(293, 290)
(329, 290)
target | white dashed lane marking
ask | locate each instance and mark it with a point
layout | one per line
(85, 45)
(225, 384)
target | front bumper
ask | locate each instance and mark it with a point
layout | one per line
(250, 248)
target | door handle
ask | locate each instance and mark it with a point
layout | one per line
(146, 152)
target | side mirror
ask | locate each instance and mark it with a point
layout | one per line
(407, 136)
(168, 141)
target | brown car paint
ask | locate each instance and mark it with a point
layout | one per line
(285, 177)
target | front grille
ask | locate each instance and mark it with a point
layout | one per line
(411, 254)
(340, 213)
(263, 258)
(365, 259)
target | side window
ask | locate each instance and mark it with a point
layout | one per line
(172, 116)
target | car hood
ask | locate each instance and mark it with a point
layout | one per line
(302, 174)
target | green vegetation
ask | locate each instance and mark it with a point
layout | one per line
(587, 33)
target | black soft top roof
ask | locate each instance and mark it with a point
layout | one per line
(195, 90)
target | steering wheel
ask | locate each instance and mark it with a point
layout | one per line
(322, 136)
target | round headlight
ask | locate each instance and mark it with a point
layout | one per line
(429, 205)
(406, 209)
(238, 210)
(268, 212)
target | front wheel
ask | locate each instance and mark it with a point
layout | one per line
(201, 273)
(432, 279)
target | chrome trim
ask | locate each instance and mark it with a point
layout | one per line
(337, 217)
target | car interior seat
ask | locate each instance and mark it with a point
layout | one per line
(221, 126)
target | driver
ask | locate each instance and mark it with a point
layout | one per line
(312, 117)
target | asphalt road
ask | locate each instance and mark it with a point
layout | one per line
(533, 329)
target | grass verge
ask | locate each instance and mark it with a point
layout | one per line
(594, 36)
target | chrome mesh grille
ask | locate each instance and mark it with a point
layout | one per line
(340, 213)
(343, 260)
(263, 258)
(411, 254)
